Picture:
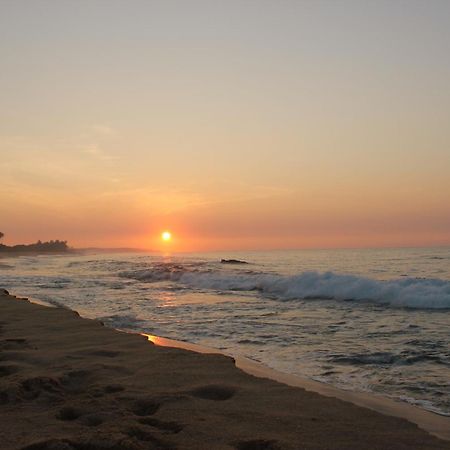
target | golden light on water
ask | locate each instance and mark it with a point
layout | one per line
(166, 236)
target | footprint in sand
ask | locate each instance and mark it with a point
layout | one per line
(45, 389)
(32, 388)
(69, 413)
(75, 381)
(145, 407)
(214, 392)
(168, 427)
(146, 436)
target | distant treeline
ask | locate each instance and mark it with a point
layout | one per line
(37, 248)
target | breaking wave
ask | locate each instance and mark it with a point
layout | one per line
(406, 292)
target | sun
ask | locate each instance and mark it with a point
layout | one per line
(166, 236)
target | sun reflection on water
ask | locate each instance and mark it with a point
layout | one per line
(166, 299)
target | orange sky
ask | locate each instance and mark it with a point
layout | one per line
(236, 126)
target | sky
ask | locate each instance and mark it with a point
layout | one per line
(233, 124)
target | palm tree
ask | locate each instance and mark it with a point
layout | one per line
(1, 234)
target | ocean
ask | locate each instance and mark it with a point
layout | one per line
(361, 320)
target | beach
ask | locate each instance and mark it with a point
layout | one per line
(345, 318)
(225, 225)
(71, 383)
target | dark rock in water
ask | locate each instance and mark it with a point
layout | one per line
(4, 291)
(233, 261)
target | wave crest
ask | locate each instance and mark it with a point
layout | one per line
(406, 292)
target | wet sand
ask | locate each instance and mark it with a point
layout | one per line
(435, 424)
(70, 383)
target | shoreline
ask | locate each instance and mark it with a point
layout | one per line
(69, 381)
(434, 423)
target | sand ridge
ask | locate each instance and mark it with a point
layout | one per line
(70, 383)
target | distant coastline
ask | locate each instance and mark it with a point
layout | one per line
(57, 247)
(39, 248)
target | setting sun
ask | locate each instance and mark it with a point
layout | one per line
(263, 179)
(166, 236)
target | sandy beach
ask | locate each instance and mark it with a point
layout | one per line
(70, 383)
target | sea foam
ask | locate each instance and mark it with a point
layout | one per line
(407, 292)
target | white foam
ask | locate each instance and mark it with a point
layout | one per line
(405, 292)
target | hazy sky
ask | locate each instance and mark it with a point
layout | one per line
(235, 124)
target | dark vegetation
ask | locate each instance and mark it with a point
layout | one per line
(39, 247)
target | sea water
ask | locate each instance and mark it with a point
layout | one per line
(362, 320)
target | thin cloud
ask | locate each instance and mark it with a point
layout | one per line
(97, 152)
(104, 130)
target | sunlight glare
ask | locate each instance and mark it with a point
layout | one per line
(166, 236)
